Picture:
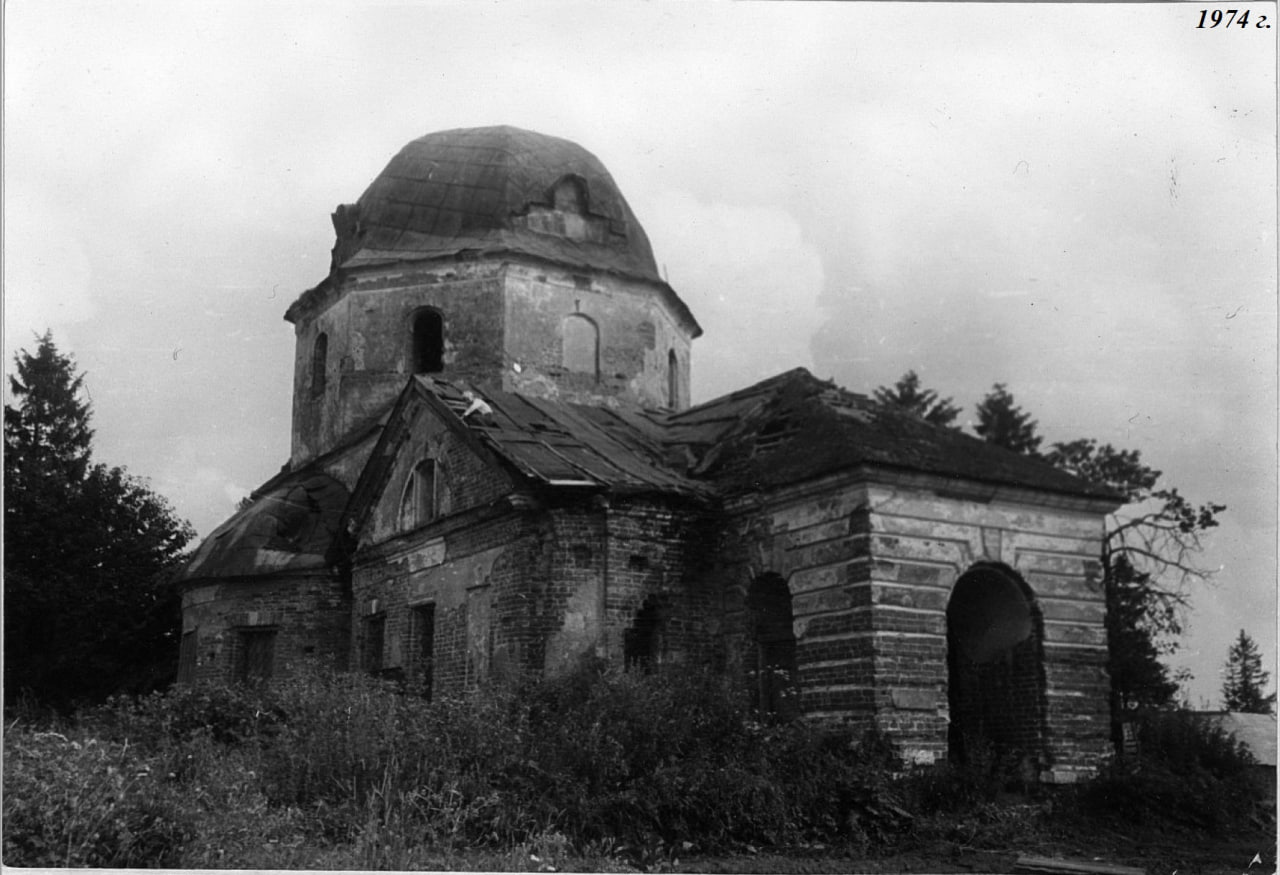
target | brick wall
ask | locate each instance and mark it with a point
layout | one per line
(309, 615)
(638, 329)
(368, 323)
(871, 570)
(655, 557)
(466, 576)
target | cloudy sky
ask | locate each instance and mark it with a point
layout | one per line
(1076, 200)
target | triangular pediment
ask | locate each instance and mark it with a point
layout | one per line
(427, 466)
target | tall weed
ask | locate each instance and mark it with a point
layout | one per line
(340, 770)
(84, 802)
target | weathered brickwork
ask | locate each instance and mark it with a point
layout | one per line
(307, 615)
(503, 328)
(368, 322)
(655, 560)
(536, 590)
(872, 571)
(637, 333)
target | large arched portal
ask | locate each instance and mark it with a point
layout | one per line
(995, 667)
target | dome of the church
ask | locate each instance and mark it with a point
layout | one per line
(494, 190)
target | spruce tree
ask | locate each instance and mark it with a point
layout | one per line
(1245, 679)
(1003, 423)
(907, 395)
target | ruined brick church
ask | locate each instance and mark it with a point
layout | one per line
(496, 469)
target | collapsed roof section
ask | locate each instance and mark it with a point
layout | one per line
(785, 430)
(794, 427)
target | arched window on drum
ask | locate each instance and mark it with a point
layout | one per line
(580, 352)
(426, 342)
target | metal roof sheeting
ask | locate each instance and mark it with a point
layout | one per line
(561, 444)
(784, 430)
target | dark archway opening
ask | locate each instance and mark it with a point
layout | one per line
(319, 364)
(771, 658)
(428, 342)
(995, 669)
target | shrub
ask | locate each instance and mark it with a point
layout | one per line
(1188, 773)
(229, 714)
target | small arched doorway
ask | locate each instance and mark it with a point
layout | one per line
(995, 667)
(771, 653)
(643, 643)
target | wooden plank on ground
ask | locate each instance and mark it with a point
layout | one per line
(1027, 865)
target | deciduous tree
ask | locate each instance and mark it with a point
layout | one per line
(1148, 559)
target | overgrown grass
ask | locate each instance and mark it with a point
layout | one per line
(341, 770)
(596, 769)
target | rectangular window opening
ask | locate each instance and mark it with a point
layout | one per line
(425, 650)
(255, 660)
(187, 658)
(374, 631)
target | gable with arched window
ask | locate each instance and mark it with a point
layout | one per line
(426, 341)
(580, 353)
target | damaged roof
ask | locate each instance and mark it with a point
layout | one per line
(289, 527)
(568, 445)
(464, 189)
(784, 430)
(781, 431)
(794, 427)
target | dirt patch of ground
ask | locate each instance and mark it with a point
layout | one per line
(1154, 852)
